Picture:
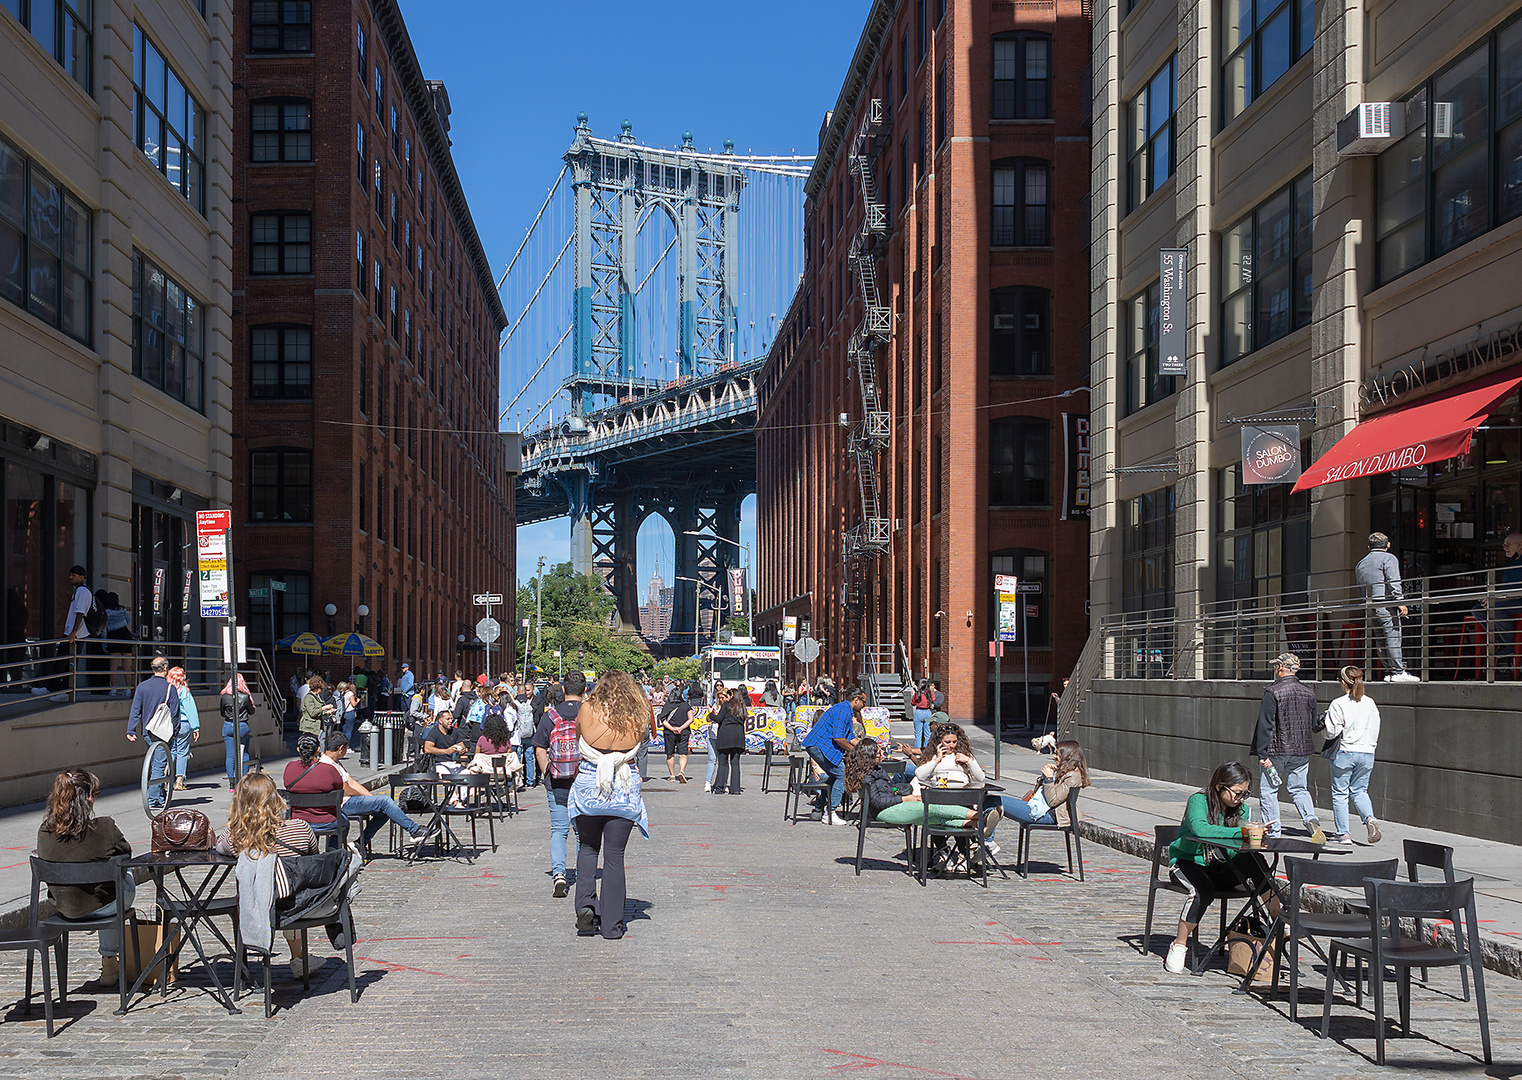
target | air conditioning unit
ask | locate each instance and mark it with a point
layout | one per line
(1370, 128)
(1004, 322)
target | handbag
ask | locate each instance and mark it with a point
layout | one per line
(181, 830)
(161, 724)
(1330, 747)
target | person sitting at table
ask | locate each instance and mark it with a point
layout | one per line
(441, 742)
(361, 802)
(312, 774)
(495, 741)
(71, 833)
(829, 737)
(951, 765)
(1047, 802)
(256, 828)
(1215, 820)
(888, 795)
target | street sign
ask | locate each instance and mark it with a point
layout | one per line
(806, 649)
(483, 599)
(213, 522)
(488, 630)
(278, 586)
(1008, 587)
(1028, 587)
(258, 594)
(211, 561)
(789, 629)
(1032, 611)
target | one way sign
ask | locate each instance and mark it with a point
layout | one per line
(484, 599)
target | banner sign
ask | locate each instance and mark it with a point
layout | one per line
(1075, 493)
(737, 604)
(874, 720)
(1270, 453)
(1173, 269)
(762, 726)
(1008, 588)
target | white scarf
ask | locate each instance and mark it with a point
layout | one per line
(612, 767)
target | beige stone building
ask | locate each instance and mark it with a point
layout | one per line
(1335, 276)
(115, 252)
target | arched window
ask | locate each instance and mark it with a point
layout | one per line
(1019, 341)
(1022, 77)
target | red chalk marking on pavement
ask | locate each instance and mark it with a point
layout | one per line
(466, 937)
(389, 966)
(862, 1061)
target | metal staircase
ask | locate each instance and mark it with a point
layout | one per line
(883, 684)
(869, 436)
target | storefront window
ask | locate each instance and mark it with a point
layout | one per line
(28, 599)
(1147, 524)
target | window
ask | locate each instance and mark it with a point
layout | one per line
(280, 485)
(393, 313)
(280, 362)
(1022, 77)
(359, 255)
(292, 612)
(1263, 537)
(924, 38)
(359, 150)
(282, 131)
(1147, 526)
(1266, 272)
(935, 476)
(168, 335)
(1020, 337)
(1151, 125)
(380, 95)
(380, 184)
(1261, 39)
(396, 134)
(1029, 566)
(1143, 383)
(364, 382)
(1021, 191)
(1457, 172)
(359, 41)
(64, 28)
(1018, 462)
(280, 26)
(940, 106)
(170, 127)
(282, 243)
(44, 246)
(903, 65)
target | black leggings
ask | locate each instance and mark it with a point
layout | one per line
(595, 832)
(728, 759)
(1207, 882)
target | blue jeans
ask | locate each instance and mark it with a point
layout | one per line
(560, 825)
(1293, 770)
(922, 726)
(179, 750)
(159, 767)
(1350, 777)
(380, 809)
(834, 770)
(351, 720)
(110, 942)
(1020, 810)
(227, 741)
(526, 755)
(713, 757)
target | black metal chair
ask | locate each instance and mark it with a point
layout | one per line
(866, 821)
(1388, 903)
(971, 798)
(774, 760)
(474, 791)
(1316, 924)
(80, 874)
(1069, 831)
(336, 831)
(1437, 857)
(1162, 880)
(327, 910)
(798, 784)
(34, 938)
(505, 802)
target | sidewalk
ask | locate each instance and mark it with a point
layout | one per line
(1120, 812)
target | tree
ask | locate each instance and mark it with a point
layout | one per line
(578, 620)
(684, 668)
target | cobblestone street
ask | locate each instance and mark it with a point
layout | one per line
(753, 950)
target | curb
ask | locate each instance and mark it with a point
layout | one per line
(1499, 954)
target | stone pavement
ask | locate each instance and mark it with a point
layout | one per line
(754, 951)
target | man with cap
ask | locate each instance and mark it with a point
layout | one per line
(1282, 745)
(1379, 572)
(404, 683)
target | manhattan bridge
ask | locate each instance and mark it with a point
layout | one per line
(641, 304)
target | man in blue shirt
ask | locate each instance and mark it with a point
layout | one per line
(150, 694)
(404, 682)
(828, 740)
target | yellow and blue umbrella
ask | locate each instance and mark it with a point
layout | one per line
(352, 645)
(303, 644)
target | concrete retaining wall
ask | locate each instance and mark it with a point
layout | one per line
(92, 735)
(1450, 754)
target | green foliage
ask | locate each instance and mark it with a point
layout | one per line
(677, 667)
(738, 625)
(576, 616)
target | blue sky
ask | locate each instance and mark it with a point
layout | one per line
(518, 73)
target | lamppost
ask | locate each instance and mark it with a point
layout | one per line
(363, 611)
(697, 602)
(331, 611)
(750, 625)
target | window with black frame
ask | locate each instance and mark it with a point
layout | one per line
(45, 246)
(168, 334)
(285, 612)
(280, 26)
(1021, 203)
(1019, 461)
(169, 125)
(1261, 40)
(1266, 271)
(282, 131)
(1144, 385)
(280, 485)
(280, 362)
(1151, 126)
(1030, 567)
(1019, 340)
(1022, 77)
(1147, 536)
(1263, 538)
(281, 243)
(64, 29)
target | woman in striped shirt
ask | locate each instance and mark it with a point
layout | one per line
(257, 826)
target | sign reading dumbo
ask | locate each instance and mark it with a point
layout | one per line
(1270, 454)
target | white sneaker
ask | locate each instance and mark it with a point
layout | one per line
(1402, 677)
(1177, 954)
(422, 836)
(707, 787)
(991, 846)
(834, 819)
(298, 967)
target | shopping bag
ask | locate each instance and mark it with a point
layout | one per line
(1247, 951)
(150, 936)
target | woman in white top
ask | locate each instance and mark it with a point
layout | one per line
(949, 764)
(1355, 717)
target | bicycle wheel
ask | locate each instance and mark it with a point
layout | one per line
(164, 783)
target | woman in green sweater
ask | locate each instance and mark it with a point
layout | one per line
(1217, 817)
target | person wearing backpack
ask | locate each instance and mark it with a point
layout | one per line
(559, 757)
(922, 703)
(523, 736)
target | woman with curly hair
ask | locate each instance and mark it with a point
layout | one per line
(888, 796)
(495, 741)
(950, 762)
(72, 833)
(605, 802)
(257, 827)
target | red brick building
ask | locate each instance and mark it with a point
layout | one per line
(982, 164)
(367, 469)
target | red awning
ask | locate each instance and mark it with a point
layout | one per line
(1432, 430)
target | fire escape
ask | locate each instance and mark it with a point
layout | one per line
(868, 436)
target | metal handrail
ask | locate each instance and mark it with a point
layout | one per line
(60, 671)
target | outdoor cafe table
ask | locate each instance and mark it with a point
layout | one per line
(188, 911)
